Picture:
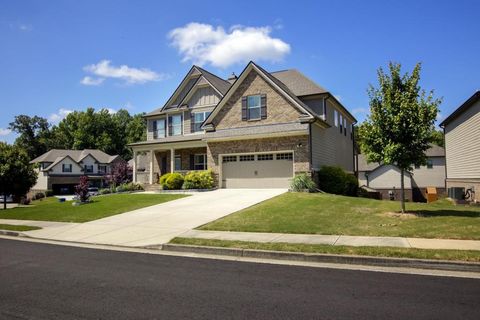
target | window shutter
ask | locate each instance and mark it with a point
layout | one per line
(192, 162)
(192, 122)
(244, 109)
(170, 125)
(263, 105)
(155, 132)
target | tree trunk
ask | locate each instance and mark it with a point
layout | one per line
(402, 193)
(4, 201)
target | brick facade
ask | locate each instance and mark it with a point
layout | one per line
(279, 110)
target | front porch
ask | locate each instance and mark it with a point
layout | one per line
(150, 164)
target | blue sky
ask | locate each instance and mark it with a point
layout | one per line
(59, 56)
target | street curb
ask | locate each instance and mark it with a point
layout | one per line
(328, 258)
(12, 233)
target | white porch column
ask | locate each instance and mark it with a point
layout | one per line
(152, 158)
(172, 160)
(134, 176)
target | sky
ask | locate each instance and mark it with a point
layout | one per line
(60, 56)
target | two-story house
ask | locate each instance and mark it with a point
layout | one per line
(60, 170)
(256, 130)
(385, 179)
(462, 146)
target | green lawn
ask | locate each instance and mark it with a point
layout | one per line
(460, 255)
(330, 214)
(50, 209)
(14, 227)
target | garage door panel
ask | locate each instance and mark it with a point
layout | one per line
(258, 173)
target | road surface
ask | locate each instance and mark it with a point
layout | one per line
(45, 281)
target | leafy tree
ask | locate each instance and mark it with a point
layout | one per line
(120, 173)
(17, 175)
(438, 138)
(402, 116)
(35, 135)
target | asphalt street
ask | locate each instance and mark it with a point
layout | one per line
(44, 281)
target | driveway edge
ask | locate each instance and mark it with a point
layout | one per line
(12, 233)
(328, 258)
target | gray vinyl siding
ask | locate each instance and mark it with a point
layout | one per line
(315, 104)
(329, 146)
(387, 177)
(205, 96)
(430, 177)
(462, 144)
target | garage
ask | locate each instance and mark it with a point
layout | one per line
(257, 170)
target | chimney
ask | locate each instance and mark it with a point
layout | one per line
(232, 78)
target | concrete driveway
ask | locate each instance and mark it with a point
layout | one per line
(160, 223)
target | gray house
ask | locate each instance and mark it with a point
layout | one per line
(256, 130)
(386, 178)
(462, 146)
(60, 169)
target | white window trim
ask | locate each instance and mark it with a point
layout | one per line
(195, 163)
(179, 157)
(259, 107)
(165, 126)
(181, 124)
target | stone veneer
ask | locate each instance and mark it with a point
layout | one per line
(279, 110)
(301, 153)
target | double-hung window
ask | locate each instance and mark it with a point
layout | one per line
(197, 119)
(102, 169)
(200, 162)
(175, 124)
(88, 168)
(178, 163)
(159, 128)
(66, 167)
(335, 117)
(254, 107)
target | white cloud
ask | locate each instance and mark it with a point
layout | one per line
(89, 81)
(59, 115)
(359, 111)
(25, 27)
(439, 116)
(5, 132)
(104, 69)
(203, 43)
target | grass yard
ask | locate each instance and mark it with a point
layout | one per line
(13, 227)
(315, 213)
(459, 255)
(50, 209)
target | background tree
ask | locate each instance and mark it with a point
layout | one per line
(438, 138)
(402, 116)
(34, 134)
(17, 175)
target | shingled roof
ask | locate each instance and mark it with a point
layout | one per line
(77, 155)
(298, 83)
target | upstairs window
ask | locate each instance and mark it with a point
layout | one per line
(197, 119)
(159, 128)
(345, 127)
(335, 117)
(253, 106)
(175, 125)
(102, 169)
(429, 164)
(341, 123)
(67, 167)
(88, 168)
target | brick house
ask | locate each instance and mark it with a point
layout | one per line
(256, 130)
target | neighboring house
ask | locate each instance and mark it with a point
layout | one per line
(386, 178)
(59, 170)
(254, 131)
(462, 146)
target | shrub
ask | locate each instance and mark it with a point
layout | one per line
(81, 190)
(198, 180)
(171, 181)
(39, 195)
(105, 191)
(49, 193)
(302, 182)
(131, 186)
(335, 180)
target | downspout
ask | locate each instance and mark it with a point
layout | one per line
(445, 151)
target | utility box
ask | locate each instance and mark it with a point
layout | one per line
(431, 194)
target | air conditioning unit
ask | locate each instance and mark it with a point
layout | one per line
(456, 193)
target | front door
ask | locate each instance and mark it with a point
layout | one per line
(163, 168)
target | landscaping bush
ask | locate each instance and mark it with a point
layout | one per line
(131, 186)
(198, 180)
(105, 191)
(49, 193)
(171, 181)
(81, 189)
(302, 182)
(39, 195)
(335, 180)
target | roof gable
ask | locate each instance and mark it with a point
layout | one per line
(464, 107)
(275, 83)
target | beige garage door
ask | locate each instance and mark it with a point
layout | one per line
(266, 170)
